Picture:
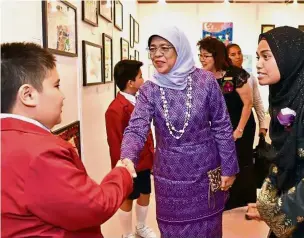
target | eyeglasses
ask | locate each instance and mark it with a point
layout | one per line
(162, 49)
(204, 56)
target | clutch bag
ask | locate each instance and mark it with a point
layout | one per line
(215, 179)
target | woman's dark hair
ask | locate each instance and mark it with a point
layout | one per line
(218, 51)
(228, 47)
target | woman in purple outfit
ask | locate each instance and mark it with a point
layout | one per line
(193, 136)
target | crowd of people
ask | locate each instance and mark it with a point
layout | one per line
(204, 130)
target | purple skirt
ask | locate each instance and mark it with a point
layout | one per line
(210, 227)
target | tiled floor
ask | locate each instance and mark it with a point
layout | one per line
(234, 224)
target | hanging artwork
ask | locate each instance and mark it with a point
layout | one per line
(301, 27)
(136, 54)
(131, 31)
(92, 63)
(107, 57)
(71, 133)
(105, 9)
(223, 31)
(118, 15)
(59, 20)
(89, 12)
(136, 31)
(124, 49)
(265, 28)
(247, 63)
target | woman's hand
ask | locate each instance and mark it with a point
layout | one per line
(252, 212)
(227, 182)
(237, 134)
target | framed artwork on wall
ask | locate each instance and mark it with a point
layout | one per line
(118, 15)
(136, 54)
(107, 57)
(92, 63)
(132, 57)
(131, 31)
(247, 63)
(301, 27)
(265, 28)
(59, 27)
(222, 31)
(124, 49)
(105, 9)
(71, 133)
(89, 12)
(136, 31)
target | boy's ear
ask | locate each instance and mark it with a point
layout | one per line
(130, 84)
(28, 95)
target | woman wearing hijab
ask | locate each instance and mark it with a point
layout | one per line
(281, 66)
(193, 136)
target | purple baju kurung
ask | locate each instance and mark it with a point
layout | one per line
(184, 206)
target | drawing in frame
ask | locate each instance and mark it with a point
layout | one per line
(301, 27)
(136, 31)
(124, 49)
(131, 31)
(118, 15)
(265, 28)
(136, 54)
(59, 27)
(105, 9)
(132, 57)
(107, 44)
(92, 63)
(71, 133)
(89, 12)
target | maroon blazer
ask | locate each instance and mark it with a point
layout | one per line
(117, 119)
(46, 190)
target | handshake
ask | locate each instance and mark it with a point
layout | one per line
(129, 165)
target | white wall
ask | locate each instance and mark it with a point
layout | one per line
(246, 18)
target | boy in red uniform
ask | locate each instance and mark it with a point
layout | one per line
(46, 190)
(128, 78)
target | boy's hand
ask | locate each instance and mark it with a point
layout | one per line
(253, 212)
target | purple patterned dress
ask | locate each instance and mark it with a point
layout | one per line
(184, 206)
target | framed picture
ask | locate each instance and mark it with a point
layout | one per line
(118, 15)
(59, 26)
(71, 133)
(131, 31)
(92, 63)
(107, 57)
(136, 31)
(132, 57)
(265, 28)
(89, 12)
(223, 31)
(124, 49)
(105, 10)
(301, 27)
(136, 54)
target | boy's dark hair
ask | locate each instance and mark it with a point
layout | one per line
(22, 63)
(218, 51)
(232, 45)
(126, 70)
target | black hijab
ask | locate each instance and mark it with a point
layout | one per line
(287, 46)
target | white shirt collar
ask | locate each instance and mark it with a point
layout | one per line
(129, 97)
(22, 118)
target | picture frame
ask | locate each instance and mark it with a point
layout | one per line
(92, 58)
(301, 27)
(136, 31)
(132, 57)
(118, 15)
(131, 31)
(59, 27)
(89, 12)
(107, 44)
(136, 54)
(267, 27)
(105, 10)
(124, 49)
(71, 133)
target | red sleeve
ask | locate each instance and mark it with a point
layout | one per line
(63, 195)
(115, 130)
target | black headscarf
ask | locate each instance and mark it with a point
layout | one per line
(287, 46)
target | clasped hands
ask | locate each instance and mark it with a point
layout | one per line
(129, 165)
